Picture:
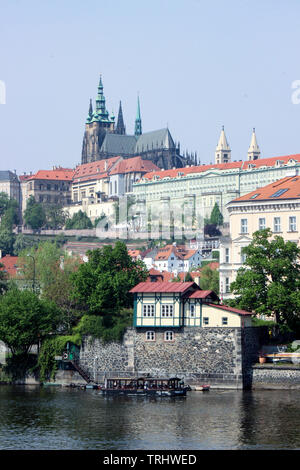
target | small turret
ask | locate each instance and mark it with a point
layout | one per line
(253, 151)
(223, 151)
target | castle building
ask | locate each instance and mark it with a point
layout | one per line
(103, 139)
(275, 206)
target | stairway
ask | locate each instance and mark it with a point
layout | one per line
(81, 371)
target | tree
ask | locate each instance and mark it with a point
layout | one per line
(216, 216)
(34, 215)
(7, 239)
(102, 284)
(79, 221)
(25, 320)
(56, 217)
(269, 284)
(3, 280)
(209, 279)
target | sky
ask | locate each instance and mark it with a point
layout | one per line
(196, 66)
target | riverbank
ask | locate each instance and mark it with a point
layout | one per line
(270, 376)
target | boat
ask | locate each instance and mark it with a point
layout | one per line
(144, 386)
(202, 388)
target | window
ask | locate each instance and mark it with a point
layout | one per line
(148, 310)
(292, 224)
(150, 336)
(192, 310)
(224, 321)
(254, 196)
(169, 336)
(226, 255)
(167, 310)
(227, 284)
(205, 320)
(277, 225)
(243, 257)
(279, 192)
(244, 225)
(261, 223)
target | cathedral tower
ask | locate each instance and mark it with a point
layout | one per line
(223, 151)
(138, 120)
(98, 123)
(253, 151)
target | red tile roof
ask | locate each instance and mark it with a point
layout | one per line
(10, 265)
(285, 188)
(94, 170)
(179, 251)
(243, 165)
(133, 165)
(231, 309)
(163, 287)
(60, 174)
(202, 294)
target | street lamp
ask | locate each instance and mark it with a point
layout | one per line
(33, 282)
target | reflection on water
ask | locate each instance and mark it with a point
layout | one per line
(63, 418)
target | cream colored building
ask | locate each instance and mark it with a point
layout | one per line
(275, 206)
(178, 304)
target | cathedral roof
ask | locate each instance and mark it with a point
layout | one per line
(118, 144)
(153, 140)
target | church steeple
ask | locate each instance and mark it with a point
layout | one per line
(90, 115)
(253, 151)
(120, 129)
(138, 121)
(101, 113)
(223, 151)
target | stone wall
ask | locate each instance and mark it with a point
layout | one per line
(198, 355)
(275, 376)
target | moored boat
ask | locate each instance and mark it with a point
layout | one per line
(142, 386)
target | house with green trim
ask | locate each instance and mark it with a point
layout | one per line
(182, 304)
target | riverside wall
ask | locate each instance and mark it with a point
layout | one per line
(222, 357)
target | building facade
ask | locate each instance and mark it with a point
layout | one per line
(275, 206)
(10, 184)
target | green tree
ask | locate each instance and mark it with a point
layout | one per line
(102, 284)
(34, 215)
(269, 284)
(209, 279)
(25, 320)
(7, 239)
(216, 216)
(79, 221)
(3, 280)
(56, 217)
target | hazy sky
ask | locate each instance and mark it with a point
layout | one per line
(197, 65)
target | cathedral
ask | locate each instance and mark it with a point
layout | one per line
(103, 138)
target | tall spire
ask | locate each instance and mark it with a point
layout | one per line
(253, 151)
(101, 114)
(120, 129)
(138, 121)
(90, 115)
(223, 151)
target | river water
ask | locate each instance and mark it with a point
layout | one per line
(56, 418)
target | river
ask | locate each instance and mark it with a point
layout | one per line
(56, 418)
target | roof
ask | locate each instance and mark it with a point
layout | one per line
(59, 174)
(8, 176)
(163, 287)
(153, 140)
(133, 165)
(98, 169)
(203, 294)
(231, 309)
(243, 165)
(10, 265)
(119, 144)
(179, 251)
(285, 188)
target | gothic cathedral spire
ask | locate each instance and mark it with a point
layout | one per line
(138, 121)
(120, 129)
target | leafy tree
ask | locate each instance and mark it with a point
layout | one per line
(269, 284)
(25, 320)
(34, 215)
(56, 217)
(4, 200)
(7, 239)
(3, 280)
(102, 284)
(209, 279)
(79, 221)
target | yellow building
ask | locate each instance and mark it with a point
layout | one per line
(275, 206)
(181, 304)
